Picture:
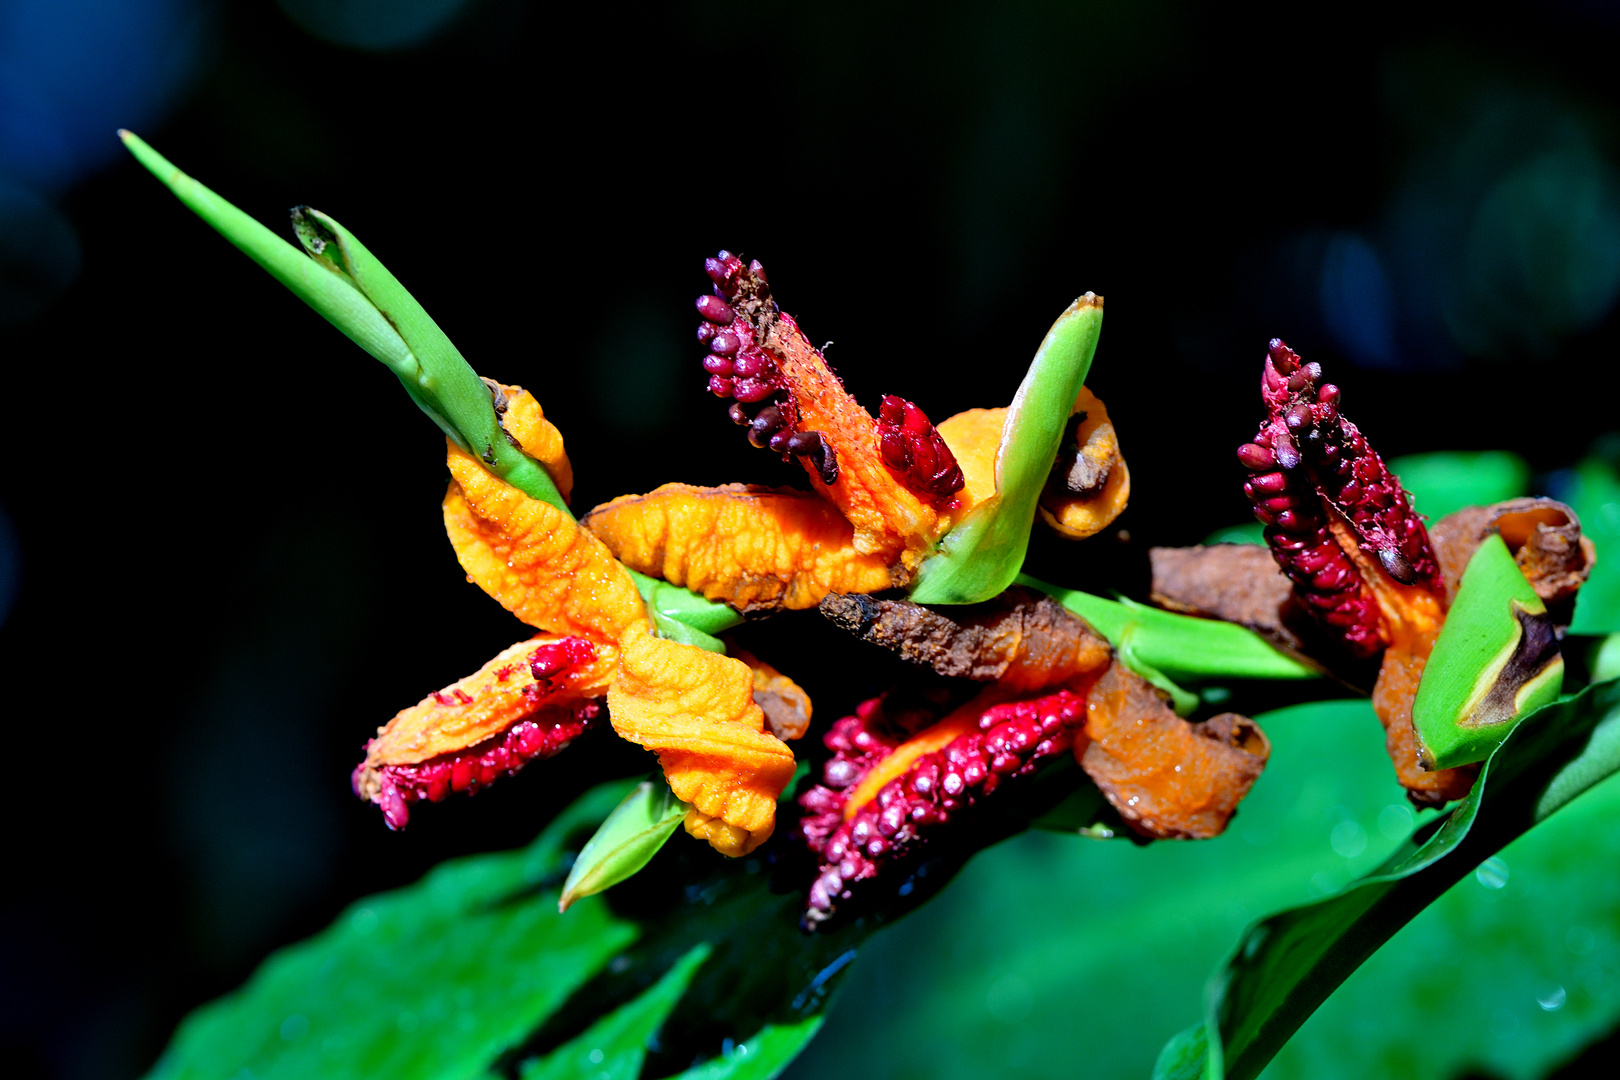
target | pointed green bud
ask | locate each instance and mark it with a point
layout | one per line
(625, 842)
(983, 554)
(1495, 661)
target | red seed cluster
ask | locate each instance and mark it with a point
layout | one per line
(914, 452)
(1012, 741)
(1309, 462)
(544, 732)
(738, 321)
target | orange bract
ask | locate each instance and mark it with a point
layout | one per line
(534, 559)
(483, 704)
(974, 437)
(1083, 514)
(1166, 777)
(696, 710)
(889, 520)
(522, 418)
(786, 706)
(750, 547)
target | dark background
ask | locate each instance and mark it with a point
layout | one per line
(221, 563)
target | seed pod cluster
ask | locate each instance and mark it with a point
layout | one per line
(1012, 739)
(737, 323)
(1310, 467)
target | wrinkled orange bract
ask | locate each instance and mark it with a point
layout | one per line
(523, 419)
(696, 710)
(534, 559)
(1167, 777)
(751, 547)
(888, 519)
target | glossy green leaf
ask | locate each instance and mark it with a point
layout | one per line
(682, 615)
(1441, 483)
(615, 1046)
(761, 1057)
(1595, 496)
(431, 981)
(1177, 646)
(983, 554)
(1496, 660)
(1183, 701)
(1251, 532)
(1285, 966)
(625, 842)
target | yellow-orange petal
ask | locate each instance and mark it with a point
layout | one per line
(534, 559)
(750, 547)
(696, 710)
(974, 437)
(523, 419)
(726, 839)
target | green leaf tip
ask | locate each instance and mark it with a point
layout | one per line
(1496, 660)
(625, 842)
(983, 554)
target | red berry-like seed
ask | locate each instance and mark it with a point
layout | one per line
(725, 343)
(751, 390)
(717, 365)
(721, 386)
(715, 310)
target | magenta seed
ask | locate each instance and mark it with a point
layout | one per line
(725, 343)
(751, 390)
(715, 310)
(716, 365)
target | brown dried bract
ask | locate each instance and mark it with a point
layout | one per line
(786, 706)
(1544, 536)
(754, 548)
(1022, 640)
(1166, 777)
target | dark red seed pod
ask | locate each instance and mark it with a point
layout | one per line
(914, 452)
(915, 808)
(1329, 470)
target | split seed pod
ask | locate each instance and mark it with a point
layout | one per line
(1495, 661)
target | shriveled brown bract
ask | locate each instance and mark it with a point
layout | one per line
(1022, 639)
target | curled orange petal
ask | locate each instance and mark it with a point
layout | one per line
(535, 559)
(1166, 777)
(696, 710)
(751, 547)
(974, 437)
(525, 422)
(1090, 483)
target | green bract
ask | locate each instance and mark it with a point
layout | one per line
(352, 290)
(630, 836)
(1495, 660)
(1176, 646)
(983, 554)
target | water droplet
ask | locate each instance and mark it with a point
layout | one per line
(596, 1056)
(295, 1027)
(1579, 940)
(363, 921)
(1492, 873)
(1552, 1000)
(1395, 821)
(1348, 838)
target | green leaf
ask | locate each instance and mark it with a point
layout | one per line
(432, 981)
(340, 278)
(625, 842)
(1174, 645)
(1595, 497)
(1285, 966)
(1495, 660)
(1185, 1056)
(982, 555)
(761, 1057)
(682, 615)
(1251, 532)
(614, 1047)
(1184, 702)
(1441, 483)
